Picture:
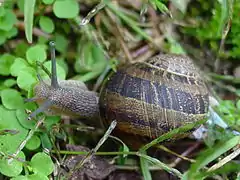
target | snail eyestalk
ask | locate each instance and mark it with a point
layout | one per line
(42, 87)
(54, 81)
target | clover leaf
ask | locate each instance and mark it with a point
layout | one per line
(66, 8)
(8, 20)
(46, 24)
(36, 53)
(42, 163)
(11, 99)
(6, 62)
(17, 66)
(12, 169)
(8, 121)
(33, 143)
(26, 78)
(47, 1)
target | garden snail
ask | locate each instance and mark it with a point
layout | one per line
(146, 98)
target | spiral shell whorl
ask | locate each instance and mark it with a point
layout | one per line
(151, 98)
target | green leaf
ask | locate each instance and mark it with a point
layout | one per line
(61, 43)
(47, 1)
(66, 8)
(2, 11)
(20, 178)
(21, 49)
(36, 53)
(162, 7)
(46, 24)
(22, 115)
(42, 40)
(123, 148)
(46, 142)
(61, 61)
(85, 62)
(26, 78)
(31, 92)
(7, 22)
(12, 33)
(29, 6)
(175, 47)
(37, 176)
(9, 82)
(6, 61)
(33, 143)
(61, 74)
(9, 143)
(11, 99)
(91, 63)
(42, 163)
(225, 12)
(11, 169)
(20, 4)
(17, 66)
(3, 38)
(50, 121)
(238, 104)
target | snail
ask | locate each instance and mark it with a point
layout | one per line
(146, 99)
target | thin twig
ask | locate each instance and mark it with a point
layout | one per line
(185, 153)
(29, 136)
(10, 156)
(225, 160)
(182, 156)
(93, 151)
(92, 13)
(119, 35)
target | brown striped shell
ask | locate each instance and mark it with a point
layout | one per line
(151, 98)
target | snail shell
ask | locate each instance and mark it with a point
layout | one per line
(151, 98)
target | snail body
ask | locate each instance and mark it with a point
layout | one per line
(145, 98)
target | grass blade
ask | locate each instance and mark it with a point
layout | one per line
(145, 169)
(211, 154)
(160, 164)
(28, 18)
(175, 132)
(130, 22)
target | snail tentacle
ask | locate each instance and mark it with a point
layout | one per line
(44, 107)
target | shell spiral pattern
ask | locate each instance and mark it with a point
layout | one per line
(151, 98)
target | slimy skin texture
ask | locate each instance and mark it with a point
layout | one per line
(70, 98)
(64, 97)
